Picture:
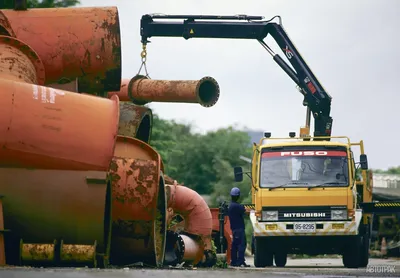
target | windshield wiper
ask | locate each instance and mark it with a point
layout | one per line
(327, 183)
(289, 183)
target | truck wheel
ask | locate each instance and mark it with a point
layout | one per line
(262, 257)
(364, 251)
(351, 255)
(280, 258)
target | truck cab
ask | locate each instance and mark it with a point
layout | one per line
(305, 198)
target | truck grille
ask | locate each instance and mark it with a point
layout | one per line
(317, 213)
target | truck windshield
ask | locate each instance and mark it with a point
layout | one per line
(303, 168)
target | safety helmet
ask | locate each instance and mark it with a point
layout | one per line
(235, 191)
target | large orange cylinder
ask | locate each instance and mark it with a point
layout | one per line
(45, 128)
(141, 90)
(81, 43)
(43, 205)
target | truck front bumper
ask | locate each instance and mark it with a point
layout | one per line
(323, 228)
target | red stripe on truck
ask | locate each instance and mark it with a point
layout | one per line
(304, 153)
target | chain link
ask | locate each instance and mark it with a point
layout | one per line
(143, 55)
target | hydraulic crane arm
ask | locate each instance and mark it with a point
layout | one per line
(316, 98)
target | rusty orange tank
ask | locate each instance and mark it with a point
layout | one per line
(138, 205)
(46, 128)
(141, 90)
(73, 43)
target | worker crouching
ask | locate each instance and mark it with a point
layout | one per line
(236, 213)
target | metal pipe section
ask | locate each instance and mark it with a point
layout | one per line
(194, 209)
(55, 133)
(135, 121)
(19, 62)
(81, 43)
(182, 247)
(141, 90)
(138, 204)
(197, 223)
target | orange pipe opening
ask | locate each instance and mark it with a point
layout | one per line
(141, 90)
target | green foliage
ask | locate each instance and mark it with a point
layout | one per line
(202, 162)
(391, 170)
(9, 4)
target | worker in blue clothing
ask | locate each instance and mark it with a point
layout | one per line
(236, 212)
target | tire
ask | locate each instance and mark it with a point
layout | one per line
(280, 259)
(364, 251)
(351, 254)
(262, 257)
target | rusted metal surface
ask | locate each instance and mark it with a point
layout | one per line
(74, 254)
(2, 230)
(19, 62)
(141, 90)
(181, 247)
(33, 254)
(74, 43)
(192, 249)
(60, 130)
(44, 205)
(194, 209)
(138, 204)
(135, 121)
(227, 230)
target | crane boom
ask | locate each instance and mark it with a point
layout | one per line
(316, 98)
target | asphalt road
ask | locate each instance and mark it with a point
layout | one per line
(295, 268)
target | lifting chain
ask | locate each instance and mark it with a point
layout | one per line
(143, 55)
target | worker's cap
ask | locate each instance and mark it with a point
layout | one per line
(235, 191)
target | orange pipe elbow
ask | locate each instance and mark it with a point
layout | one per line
(44, 128)
(194, 209)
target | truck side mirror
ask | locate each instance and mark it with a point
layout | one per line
(238, 171)
(363, 161)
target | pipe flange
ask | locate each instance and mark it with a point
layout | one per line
(30, 53)
(130, 84)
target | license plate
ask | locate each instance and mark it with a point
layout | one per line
(304, 227)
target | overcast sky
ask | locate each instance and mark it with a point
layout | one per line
(351, 46)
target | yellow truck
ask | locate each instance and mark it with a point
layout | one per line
(304, 190)
(307, 200)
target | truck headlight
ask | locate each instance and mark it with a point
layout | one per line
(339, 214)
(269, 216)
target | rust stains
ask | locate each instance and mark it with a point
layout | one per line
(136, 184)
(131, 116)
(87, 47)
(73, 254)
(37, 253)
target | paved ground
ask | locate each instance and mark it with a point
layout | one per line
(295, 268)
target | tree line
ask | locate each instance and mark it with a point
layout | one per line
(203, 162)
